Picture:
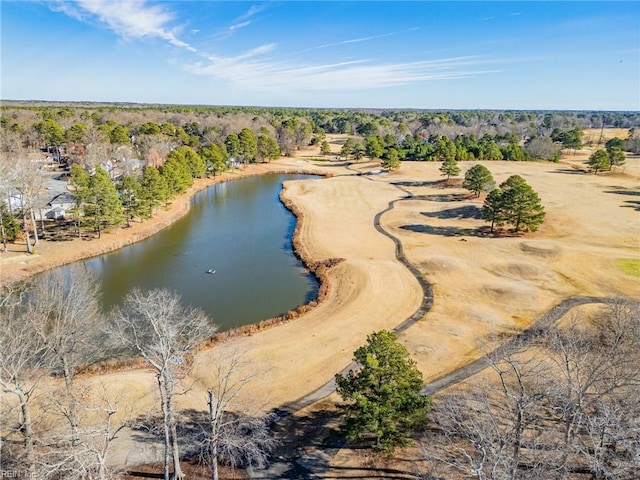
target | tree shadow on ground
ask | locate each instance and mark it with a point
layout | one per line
(307, 443)
(635, 204)
(192, 469)
(193, 427)
(443, 231)
(299, 437)
(633, 193)
(430, 183)
(570, 171)
(444, 197)
(60, 231)
(466, 212)
(632, 204)
(373, 472)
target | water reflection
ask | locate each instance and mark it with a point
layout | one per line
(235, 228)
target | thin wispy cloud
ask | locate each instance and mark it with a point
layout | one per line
(254, 10)
(263, 75)
(363, 39)
(244, 20)
(257, 68)
(128, 20)
(240, 25)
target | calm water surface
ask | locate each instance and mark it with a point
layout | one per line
(239, 229)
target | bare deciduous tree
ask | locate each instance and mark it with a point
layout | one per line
(66, 317)
(484, 433)
(235, 430)
(564, 406)
(25, 178)
(22, 360)
(88, 458)
(157, 327)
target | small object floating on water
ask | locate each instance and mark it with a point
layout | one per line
(211, 271)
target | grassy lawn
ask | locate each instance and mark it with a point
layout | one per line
(630, 266)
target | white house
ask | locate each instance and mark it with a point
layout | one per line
(59, 205)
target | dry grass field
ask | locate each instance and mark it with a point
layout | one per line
(485, 286)
(593, 136)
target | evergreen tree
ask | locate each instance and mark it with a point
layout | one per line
(80, 183)
(347, 148)
(104, 205)
(155, 190)
(450, 168)
(176, 174)
(514, 152)
(373, 147)
(325, 149)
(216, 158)
(188, 157)
(76, 132)
(599, 161)
(616, 156)
(130, 194)
(391, 159)
(488, 149)
(383, 397)
(478, 179)
(248, 145)
(52, 133)
(9, 226)
(521, 204)
(232, 143)
(119, 135)
(357, 151)
(268, 148)
(445, 149)
(492, 210)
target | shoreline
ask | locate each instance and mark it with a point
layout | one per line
(17, 265)
(179, 207)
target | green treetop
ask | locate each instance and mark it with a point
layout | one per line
(248, 145)
(52, 133)
(450, 168)
(104, 204)
(268, 148)
(373, 147)
(391, 159)
(155, 190)
(478, 179)
(216, 158)
(325, 149)
(599, 161)
(521, 205)
(383, 397)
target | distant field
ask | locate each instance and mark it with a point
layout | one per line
(592, 135)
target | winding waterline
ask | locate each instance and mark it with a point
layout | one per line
(240, 230)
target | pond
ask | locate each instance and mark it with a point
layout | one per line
(231, 255)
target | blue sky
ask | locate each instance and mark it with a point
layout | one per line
(581, 55)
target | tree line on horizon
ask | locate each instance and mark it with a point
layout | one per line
(177, 144)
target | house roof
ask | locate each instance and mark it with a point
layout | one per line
(61, 198)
